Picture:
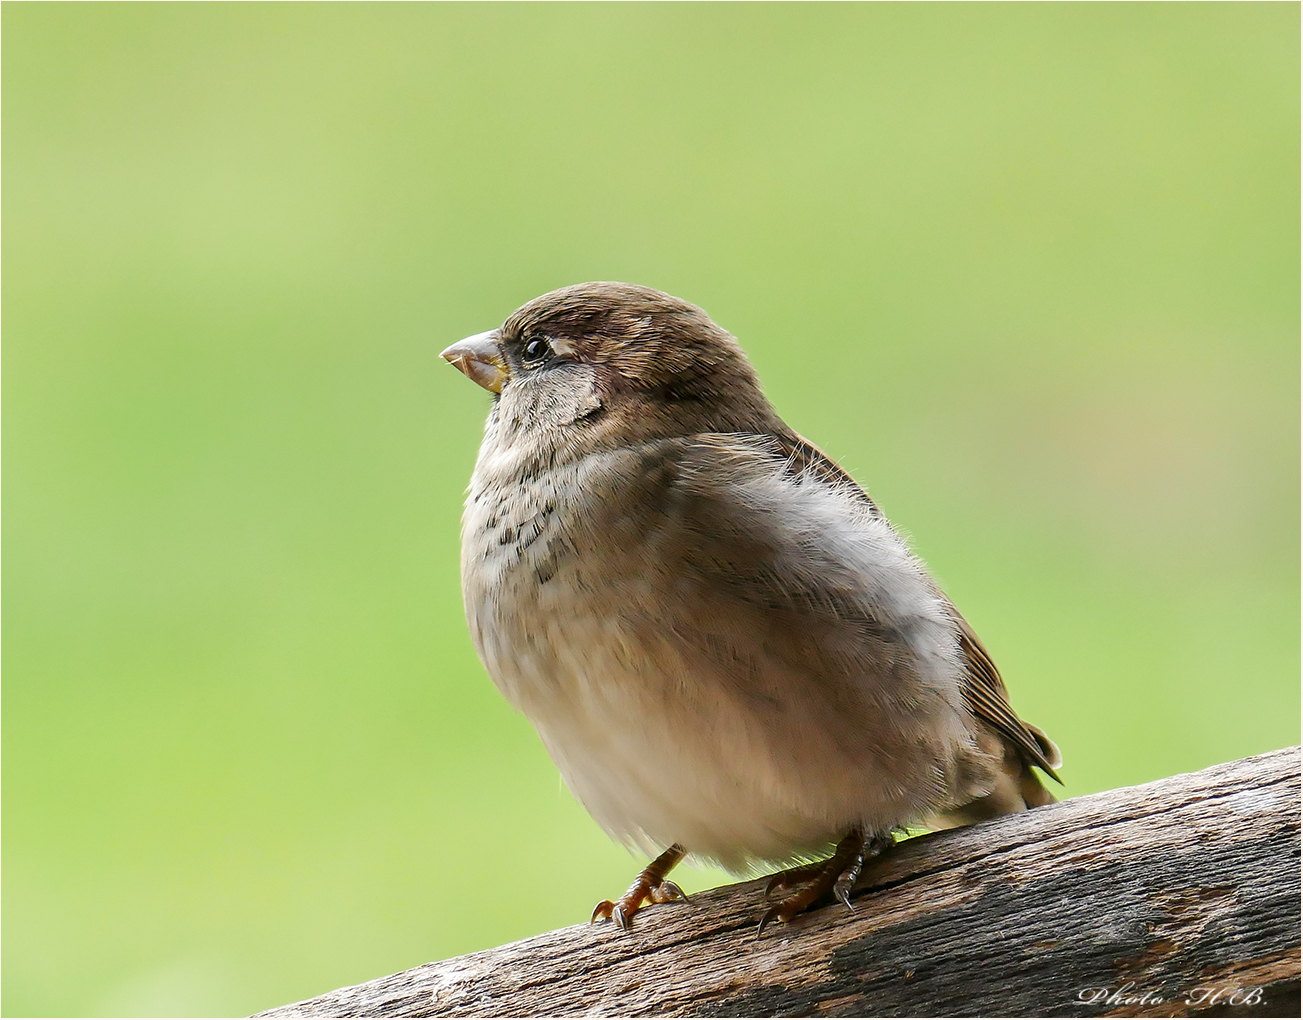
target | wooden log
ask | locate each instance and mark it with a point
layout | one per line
(1179, 897)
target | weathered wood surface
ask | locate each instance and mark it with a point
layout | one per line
(1179, 897)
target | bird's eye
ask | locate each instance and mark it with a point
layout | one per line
(537, 350)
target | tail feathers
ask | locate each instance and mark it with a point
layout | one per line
(1048, 747)
(1017, 787)
(1034, 794)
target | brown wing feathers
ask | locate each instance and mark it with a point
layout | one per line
(983, 689)
(988, 700)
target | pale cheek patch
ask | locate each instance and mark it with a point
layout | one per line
(585, 398)
(552, 398)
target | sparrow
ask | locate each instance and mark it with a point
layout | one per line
(725, 647)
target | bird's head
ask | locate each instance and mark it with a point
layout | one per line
(614, 360)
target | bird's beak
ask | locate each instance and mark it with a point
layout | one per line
(481, 359)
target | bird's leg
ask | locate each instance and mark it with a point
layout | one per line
(651, 884)
(837, 875)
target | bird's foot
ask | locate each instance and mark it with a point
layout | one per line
(838, 875)
(790, 877)
(650, 885)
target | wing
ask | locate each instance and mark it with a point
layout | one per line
(984, 690)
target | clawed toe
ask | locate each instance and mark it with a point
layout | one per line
(772, 914)
(621, 913)
(842, 890)
(794, 876)
(651, 886)
(668, 892)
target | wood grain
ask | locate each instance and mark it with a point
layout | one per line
(1175, 898)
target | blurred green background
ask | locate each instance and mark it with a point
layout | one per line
(1030, 272)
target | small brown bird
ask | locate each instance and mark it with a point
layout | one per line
(723, 644)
